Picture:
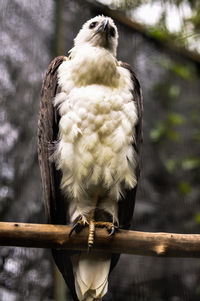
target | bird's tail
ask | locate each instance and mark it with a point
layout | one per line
(91, 275)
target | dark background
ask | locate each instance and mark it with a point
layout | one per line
(32, 33)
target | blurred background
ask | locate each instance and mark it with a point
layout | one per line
(160, 39)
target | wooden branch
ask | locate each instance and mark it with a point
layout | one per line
(124, 241)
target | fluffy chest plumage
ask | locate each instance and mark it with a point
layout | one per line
(96, 128)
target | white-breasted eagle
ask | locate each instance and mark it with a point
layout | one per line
(89, 135)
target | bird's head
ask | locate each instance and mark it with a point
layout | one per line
(98, 32)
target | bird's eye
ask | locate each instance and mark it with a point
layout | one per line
(112, 31)
(92, 25)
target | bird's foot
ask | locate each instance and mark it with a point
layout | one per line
(111, 228)
(81, 223)
(78, 226)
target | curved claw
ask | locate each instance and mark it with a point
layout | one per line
(113, 229)
(72, 229)
(76, 227)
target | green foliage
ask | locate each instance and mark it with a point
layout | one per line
(196, 135)
(195, 19)
(184, 188)
(175, 118)
(157, 132)
(197, 219)
(166, 91)
(158, 33)
(174, 91)
(190, 163)
(186, 71)
(195, 116)
(186, 164)
(172, 135)
(162, 131)
(167, 128)
(171, 165)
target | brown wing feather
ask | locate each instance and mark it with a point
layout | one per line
(47, 135)
(126, 205)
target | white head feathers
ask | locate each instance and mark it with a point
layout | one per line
(98, 32)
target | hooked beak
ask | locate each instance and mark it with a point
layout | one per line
(103, 26)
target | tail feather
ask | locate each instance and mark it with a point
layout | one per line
(91, 275)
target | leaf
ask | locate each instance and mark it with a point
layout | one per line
(158, 33)
(157, 133)
(171, 165)
(182, 71)
(173, 135)
(175, 118)
(190, 163)
(186, 71)
(197, 217)
(184, 187)
(174, 91)
(196, 135)
(165, 129)
(195, 19)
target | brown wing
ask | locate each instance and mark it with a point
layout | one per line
(126, 205)
(47, 135)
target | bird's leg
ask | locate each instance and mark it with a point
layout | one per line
(111, 228)
(80, 223)
(91, 230)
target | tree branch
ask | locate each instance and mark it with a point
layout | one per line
(124, 241)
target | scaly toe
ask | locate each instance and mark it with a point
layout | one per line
(110, 227)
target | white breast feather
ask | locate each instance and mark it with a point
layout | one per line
(96, 129)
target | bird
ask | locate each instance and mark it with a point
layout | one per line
(89, 142)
